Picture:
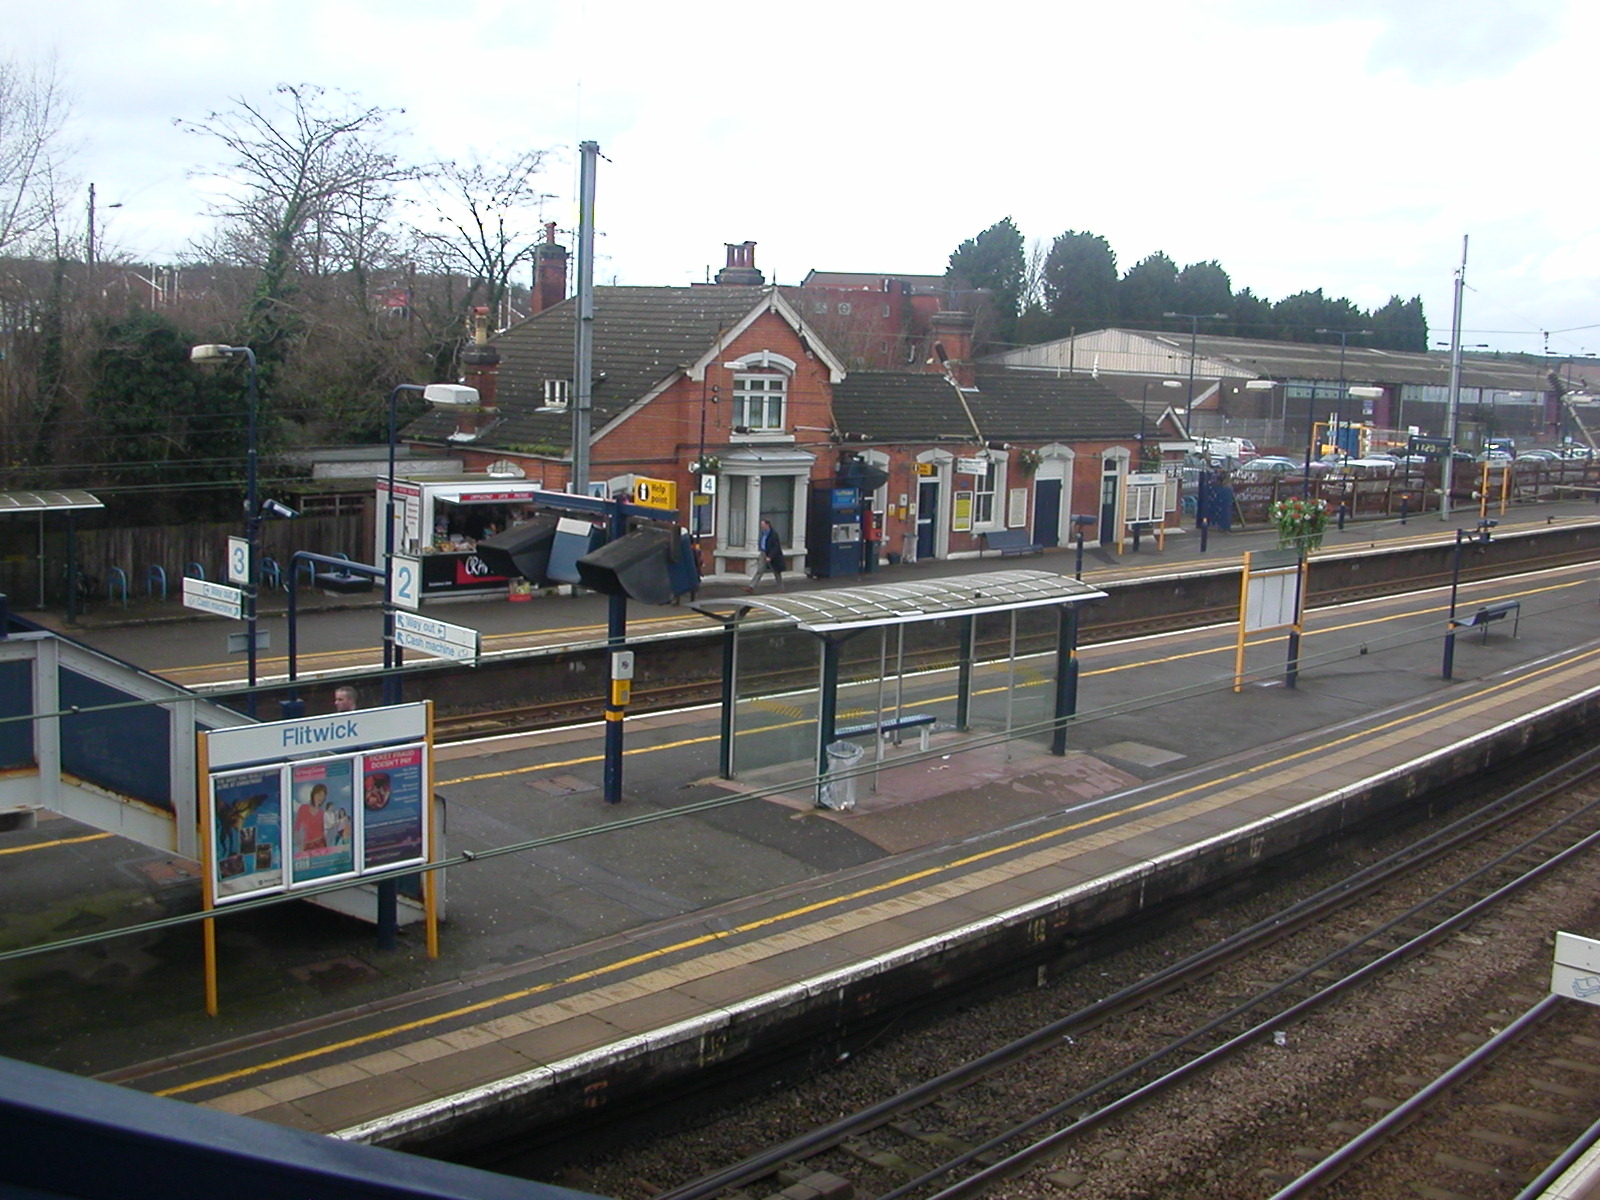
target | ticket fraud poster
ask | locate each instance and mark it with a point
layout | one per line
(312, 822)
(392, 811)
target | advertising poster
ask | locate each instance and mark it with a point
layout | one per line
(391, 807)
(323, 832)
(249, 832)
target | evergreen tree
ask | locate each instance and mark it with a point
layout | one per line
(1080, 281)
(1149, 289)
(994, 260)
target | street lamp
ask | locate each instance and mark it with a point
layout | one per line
(1344, 336)
(445, 395)
(1144, 400)
(252, 508)
(1194, 320)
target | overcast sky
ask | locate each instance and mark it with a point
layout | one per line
(1341, 144)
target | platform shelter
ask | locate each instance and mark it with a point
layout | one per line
(984, 656)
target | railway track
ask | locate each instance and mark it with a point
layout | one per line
(1059, 1106)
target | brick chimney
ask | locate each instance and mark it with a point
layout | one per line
(549, 272)
(741, 268)
(480, 368)
(950, 346)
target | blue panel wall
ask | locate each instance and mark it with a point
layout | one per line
(125, 750)
(16, 700)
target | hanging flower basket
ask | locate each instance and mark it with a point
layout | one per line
(1028, 461)
(709, 465)
(1301, 524)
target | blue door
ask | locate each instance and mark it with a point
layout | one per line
(1047, 512)
(927, 514)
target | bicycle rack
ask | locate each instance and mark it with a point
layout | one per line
(153, 578)
(117, 581)
(271, 572)
(195, 571)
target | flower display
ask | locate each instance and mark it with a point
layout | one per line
(1301, 523)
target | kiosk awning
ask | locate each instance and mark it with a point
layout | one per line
(838, 609)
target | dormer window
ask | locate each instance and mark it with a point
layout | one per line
(556, 392)
(761, 392)
(758, 402)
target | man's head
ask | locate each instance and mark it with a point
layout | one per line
(345, 700)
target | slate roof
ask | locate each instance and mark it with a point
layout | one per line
(642, 337)
(1008, 405)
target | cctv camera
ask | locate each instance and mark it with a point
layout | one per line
(273, 508)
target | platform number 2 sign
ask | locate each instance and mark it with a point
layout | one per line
(405, 578)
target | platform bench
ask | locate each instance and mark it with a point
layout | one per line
(1012, 541)
(921, 722)
(1496, 612)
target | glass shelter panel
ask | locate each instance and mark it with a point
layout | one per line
(775, 706)
(1014, 674)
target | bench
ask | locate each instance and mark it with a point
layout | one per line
(1012, 541)
(1495, 612)
(921, 722)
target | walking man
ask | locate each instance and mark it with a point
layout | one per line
(769, 556)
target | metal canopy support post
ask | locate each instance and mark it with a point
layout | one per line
(969, 651)
(583, 350)
(730, 697)
(1066, 677)
(391, 652)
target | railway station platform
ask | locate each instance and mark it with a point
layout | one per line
(703, 918)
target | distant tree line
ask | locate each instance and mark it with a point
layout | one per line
(1073, 286)
(315, 262)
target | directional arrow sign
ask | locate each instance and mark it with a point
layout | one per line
(435, 637)
(216, 598)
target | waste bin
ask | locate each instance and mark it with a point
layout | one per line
(836, 793)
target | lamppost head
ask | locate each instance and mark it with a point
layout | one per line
(217, 353)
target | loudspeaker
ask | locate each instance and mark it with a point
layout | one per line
(522, 550)
(652, 564)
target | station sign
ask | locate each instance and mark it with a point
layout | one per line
(972, 466)
(655, 493)
(436, 638)
(405, 582)
(217, 598)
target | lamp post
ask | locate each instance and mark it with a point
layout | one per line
(1344, 336)
(1144, 400)
(1201, 521)
(252, 507)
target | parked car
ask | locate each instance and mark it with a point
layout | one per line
(1272, 464)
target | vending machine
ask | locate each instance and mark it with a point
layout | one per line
(833, 534)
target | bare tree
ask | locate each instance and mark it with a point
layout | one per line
(34, 151)
(310, 170)
(485, 223)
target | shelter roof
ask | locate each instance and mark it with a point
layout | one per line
(43, 502)
(837, 610)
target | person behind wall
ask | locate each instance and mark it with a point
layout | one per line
(345, 699)
(769, 556)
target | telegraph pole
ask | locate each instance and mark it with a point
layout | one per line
(1455, 389)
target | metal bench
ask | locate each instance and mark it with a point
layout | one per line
(1490, 613)
(1012, 541)
(921, 722)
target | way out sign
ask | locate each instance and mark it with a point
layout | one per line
(438, 638)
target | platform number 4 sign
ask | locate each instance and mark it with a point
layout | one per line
(238, 560)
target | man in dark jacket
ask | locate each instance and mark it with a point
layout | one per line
(769, 556)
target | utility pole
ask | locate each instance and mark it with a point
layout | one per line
(583, 367)
(1455, 389)
(1344, 336)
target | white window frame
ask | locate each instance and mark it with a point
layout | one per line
(985, 490)
(754, 392)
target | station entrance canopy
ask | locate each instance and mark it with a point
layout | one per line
(990, 656)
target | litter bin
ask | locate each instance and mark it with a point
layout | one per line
(840, 794)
